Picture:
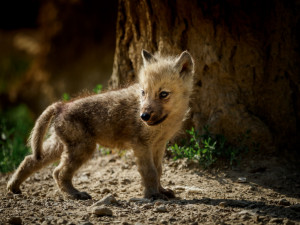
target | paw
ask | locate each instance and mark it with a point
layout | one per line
(12, 189)
(81, 196)
(157, 196)
(167, 192)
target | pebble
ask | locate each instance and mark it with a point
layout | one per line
(136, 210)
(161, 209)
(248, 212)
(275, 220)
(147, 206)
(107, 200)
(242, 180)
(113, 182)
(222, 204)
(139, 200)
(284, 202)
(62, 221)
(152, 218)
(102, 211)
(159, 202)
(125, 181)
(105, 191)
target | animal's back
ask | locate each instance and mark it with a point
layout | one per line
(111, 119)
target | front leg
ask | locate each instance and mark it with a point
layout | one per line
(149, 174)
(158, 155)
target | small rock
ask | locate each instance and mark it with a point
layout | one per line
(105, 191)
(112, 159)
(248, 212)
(172, 219)
(124, 167)
(171, 182)
(179, 188)
(245, 217)
(147, 206)
(140, 200)
(102, 211)
(163, 222)
(284, 202)
(159, 202)
(107, 200)
(252, 188)
(275, 220)
(256, 218)
(86, 174)
(223, 204)
(242, 180)
(161, 209)
(113, 182)
(136, 210)
(62, 221)
(15, 220)
(152, 218)
(125, 181)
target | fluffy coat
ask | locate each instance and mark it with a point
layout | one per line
(142, 117)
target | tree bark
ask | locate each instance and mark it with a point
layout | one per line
(246, 55)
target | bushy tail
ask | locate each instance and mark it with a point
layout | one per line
(38, 132)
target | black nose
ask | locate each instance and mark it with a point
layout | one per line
(145, 116)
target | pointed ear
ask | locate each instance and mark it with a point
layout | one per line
(185, 64)
(148, 58)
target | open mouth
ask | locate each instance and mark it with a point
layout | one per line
(158, 121)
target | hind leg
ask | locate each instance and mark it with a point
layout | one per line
(72, 159)
(52, 151)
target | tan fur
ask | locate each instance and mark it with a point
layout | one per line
(113, 119)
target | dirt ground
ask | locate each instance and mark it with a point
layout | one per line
(262, 193)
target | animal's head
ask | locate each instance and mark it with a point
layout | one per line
(166, 85)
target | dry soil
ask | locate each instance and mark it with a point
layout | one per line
(262, 193)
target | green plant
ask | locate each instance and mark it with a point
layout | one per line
(98, 89)
(15, 125)
(208, 148)
(103, 150)
(66, 97)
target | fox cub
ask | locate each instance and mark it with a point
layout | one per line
(142, 117)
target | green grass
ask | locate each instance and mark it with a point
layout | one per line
(98, 89)
(208, 148)
(15, 125)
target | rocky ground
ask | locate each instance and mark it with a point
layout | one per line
(262, 193)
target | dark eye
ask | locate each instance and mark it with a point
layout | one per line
(163, 94)
(143, 93)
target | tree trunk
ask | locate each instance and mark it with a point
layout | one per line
(246, 55)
